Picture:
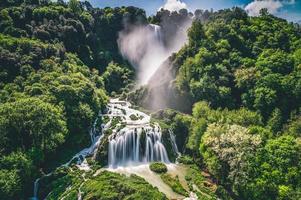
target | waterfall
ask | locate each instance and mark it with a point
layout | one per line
(35, 189)
(125, 148)
(144, 47)
(157, 32)
(80, 157)
(173, 142)
(134, 140)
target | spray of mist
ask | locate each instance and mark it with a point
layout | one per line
(144, 47)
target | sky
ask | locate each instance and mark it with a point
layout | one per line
(288, 9)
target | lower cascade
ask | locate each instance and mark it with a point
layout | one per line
(134, 139)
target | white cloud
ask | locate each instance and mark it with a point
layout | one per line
(273, 6)
(174, 5)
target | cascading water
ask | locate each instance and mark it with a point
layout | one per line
(157, 33)
(173, 142)
(134, 140)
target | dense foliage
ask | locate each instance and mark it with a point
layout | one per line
(245, 155)
(233, 60)
(242, 75)
(58, 62)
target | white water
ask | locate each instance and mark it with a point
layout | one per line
(173, 142)
(134, 140)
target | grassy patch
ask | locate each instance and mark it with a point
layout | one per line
(158, 167)
(174, 183)
(108, 185)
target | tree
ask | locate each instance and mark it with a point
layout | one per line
(264, 12)
(116, 77)
(227, 150)
(19, 171)
(9, 184)
(277, 171)
(31, 122)
(74, 5)
(196, 33)
(294, 127)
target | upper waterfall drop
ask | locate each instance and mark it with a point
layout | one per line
(156, 29)
(134, 139)
(143, 46)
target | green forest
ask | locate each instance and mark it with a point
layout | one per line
(60, 64)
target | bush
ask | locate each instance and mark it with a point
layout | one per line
(158, 167)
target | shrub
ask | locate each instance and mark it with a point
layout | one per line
(158, 167)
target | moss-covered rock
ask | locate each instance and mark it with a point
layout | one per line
(102, 151)
(158, 167)
(115, 121)
(133, 117)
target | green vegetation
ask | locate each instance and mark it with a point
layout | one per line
(106, 185)
(115, 121)
(233, 60)
(113, 186)
(242, 76)
(185, 159)
(174, 183)
(240, 152)
(158, 167)
(202, 186)
(46, 103)
(58, 62)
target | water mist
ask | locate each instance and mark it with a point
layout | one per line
(144, 47)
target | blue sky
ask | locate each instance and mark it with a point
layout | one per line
(288, 9)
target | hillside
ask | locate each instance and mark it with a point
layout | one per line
(218, 119)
